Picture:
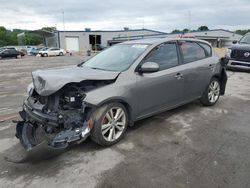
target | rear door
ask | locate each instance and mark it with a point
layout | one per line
(56, 51)
(13, 53)
(197, 66)
(163, 89)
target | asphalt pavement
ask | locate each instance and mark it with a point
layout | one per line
(191, 146)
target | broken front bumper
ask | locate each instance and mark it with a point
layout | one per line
(31, 114)
(33, 117)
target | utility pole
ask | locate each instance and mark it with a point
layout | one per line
(64, 42)
(95, 43)
(189, 20)
(63, 21)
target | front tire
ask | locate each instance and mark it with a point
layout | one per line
(212, 93)
(110, 124)
(60, 54)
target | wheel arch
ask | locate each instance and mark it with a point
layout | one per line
(222, 77)
(125, 104)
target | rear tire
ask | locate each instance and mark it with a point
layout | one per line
(212, 93)
(110, 124)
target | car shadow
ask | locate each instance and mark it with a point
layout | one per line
(16, 154)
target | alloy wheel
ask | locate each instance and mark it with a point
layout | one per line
(213, 91)
(113, 124)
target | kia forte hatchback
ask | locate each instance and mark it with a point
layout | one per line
(121, 85)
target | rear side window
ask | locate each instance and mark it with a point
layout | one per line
(207, 49)
(165, 55)
(192, 51)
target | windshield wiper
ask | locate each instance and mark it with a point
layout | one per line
(98, 68)
(244, 43)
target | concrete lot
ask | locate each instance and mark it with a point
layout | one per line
(192, 146)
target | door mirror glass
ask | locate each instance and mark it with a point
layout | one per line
(235, 42)
(150, 67)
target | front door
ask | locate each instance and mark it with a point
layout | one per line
(6, 53)
(163, 89)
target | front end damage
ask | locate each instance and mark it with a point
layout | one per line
(58, 120)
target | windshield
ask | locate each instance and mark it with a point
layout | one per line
(245, 39)
(116, 58)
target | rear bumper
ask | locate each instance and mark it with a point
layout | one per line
(234, 64)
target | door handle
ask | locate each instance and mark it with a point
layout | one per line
(211, 66)
(178, 76)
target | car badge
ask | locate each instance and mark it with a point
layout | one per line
(246, 54)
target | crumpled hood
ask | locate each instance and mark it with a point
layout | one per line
(47, 82)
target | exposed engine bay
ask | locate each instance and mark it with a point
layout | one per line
(60, 119)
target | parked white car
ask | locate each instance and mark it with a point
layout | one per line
(52, 52)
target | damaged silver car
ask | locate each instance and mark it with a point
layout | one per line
(123, 84)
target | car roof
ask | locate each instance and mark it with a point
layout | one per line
(152, 41)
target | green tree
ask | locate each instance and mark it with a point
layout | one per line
(203, 28)
(185, 30)
(3, 32)
(9, 38)
(33, 39)
(242, 32)
(176, 31)
(50, 29)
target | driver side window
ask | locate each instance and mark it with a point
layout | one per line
(165, 55)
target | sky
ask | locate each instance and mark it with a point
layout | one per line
(161, 15)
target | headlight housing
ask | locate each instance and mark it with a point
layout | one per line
(30, 89)
(228, 52)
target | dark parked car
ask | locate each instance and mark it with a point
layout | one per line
(117, 87)
(10, 52)
(238, 55)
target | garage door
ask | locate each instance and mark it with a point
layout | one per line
(72, 44)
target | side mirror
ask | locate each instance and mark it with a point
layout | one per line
(149, 67)
(235, 42)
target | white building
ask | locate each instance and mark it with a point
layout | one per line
(217, 38)
(81, 41)
(91, 40)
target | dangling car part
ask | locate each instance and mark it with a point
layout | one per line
(59, 119)
(122, 84)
